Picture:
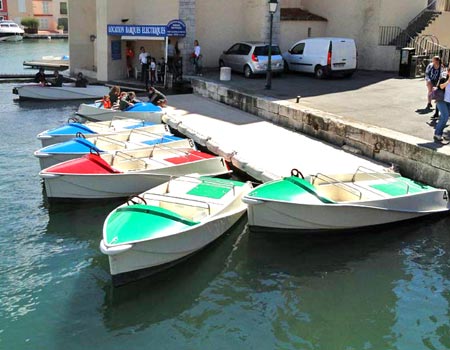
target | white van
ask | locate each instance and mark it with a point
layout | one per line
(322, 56)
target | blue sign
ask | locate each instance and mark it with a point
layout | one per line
(136, 30)
(176, 28)
(116, 50)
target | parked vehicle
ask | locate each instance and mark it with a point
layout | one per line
(251, 58)
(322, 56)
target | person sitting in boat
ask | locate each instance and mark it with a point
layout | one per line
(132, 98)
(105, 102)
(124, 103)
(40, 77)
(114, 94)
(81, 81)
(58, 80)
(156, 97)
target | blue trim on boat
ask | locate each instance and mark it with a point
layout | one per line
(144, 107)
(71, 129)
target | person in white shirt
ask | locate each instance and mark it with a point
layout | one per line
(197, 56)
(143, 59)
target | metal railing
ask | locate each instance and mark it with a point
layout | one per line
(339, 184)
(389, 34)
(428, 45)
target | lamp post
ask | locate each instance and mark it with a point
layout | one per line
(273, 4)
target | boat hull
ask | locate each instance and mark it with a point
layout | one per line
(12, 38)
(149, 257)
(120, 185)
(93, 113)
(286, 216)
(38, 92)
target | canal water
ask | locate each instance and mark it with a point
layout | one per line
(385, 289)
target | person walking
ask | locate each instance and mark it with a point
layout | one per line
(144, 60)
(444, 109)
(170, 56)
(152, 72)
(432, 76)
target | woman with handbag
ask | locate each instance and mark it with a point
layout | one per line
(443, 104)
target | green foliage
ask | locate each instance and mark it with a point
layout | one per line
(30, 22)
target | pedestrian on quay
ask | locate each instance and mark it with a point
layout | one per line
(152, 71)
(170, 55)
(432, 76)
(197, 58)
(444, 109)
(144, 60)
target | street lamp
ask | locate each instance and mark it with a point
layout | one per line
(273, 4)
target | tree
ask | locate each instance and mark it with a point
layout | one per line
(31, 25)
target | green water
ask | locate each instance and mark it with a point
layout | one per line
(388, 289)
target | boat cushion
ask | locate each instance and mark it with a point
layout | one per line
(192, 156)
(213, 188)
(401, 186)
(163, 139)
(139, 222)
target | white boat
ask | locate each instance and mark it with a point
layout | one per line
(73, 129)
(10, 31)
(66, 92)
(141, 110)
(166, 224)
(129, 140)
(341, 202)
(125, 173)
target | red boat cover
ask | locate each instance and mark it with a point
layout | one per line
(89, 164)
(192, 156)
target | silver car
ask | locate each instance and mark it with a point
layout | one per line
(251, 58)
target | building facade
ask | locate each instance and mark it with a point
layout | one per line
(3, 9)
(218, 24)
(19, 9)
(52, 14)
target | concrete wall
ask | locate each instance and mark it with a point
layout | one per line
(293, 31)
(440, 28)
(14, 11)
(290, 3)
(81, 49)
(399, 13)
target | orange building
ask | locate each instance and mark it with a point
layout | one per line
(3, 9)
(52, 14)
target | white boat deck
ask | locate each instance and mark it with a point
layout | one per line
(263, 150)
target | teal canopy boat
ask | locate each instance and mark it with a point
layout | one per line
(168, 223)
(341, 202)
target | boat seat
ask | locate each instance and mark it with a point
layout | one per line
(129, 164)
(189, 212)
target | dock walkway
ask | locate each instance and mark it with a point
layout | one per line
(261, 149)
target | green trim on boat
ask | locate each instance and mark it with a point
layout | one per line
(400, 185)
(137, 222)
(288, 189)
(213, 188)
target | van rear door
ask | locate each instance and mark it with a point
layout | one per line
(343, 54)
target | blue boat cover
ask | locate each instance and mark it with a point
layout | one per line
(71, 129)
(144, 107)
(77, 145)
(163, 139)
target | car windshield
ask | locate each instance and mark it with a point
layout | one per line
(264, 50)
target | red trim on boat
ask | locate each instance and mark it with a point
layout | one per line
(192, 156)
(89, 164)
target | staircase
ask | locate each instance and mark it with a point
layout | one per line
(414, 28)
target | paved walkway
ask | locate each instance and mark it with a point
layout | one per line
(262, 144)
(381, 99)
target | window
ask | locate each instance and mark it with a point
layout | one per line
(264, 50)
(43, 23)
(63, 8)
(1, 18)
(22, 6)
(298, 49)
(244, 49)
(234, 50)
(1, 5)
(45, 7)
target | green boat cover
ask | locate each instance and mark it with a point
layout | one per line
(399, 187)
(213, 188)
(139, 222)
(288, 189)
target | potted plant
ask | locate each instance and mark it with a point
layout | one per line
(61, 29)
(31, 25)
